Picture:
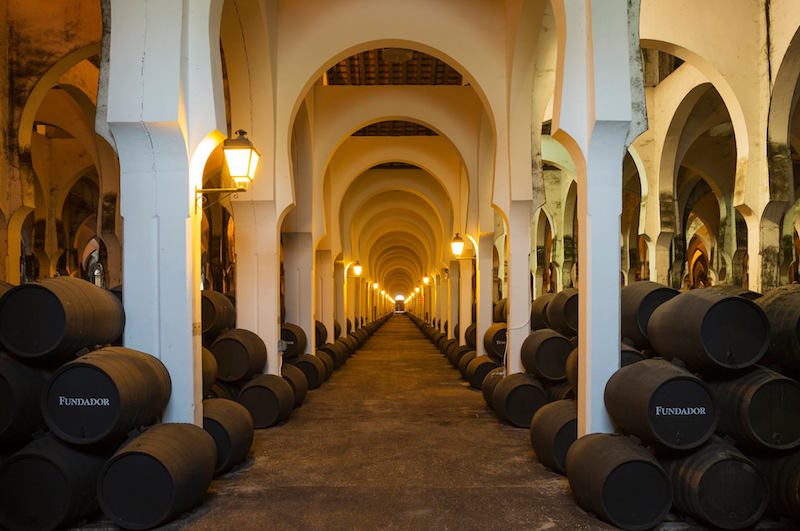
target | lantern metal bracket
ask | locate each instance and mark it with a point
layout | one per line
(202, 200)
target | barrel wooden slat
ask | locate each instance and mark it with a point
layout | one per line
(709, 331)
(297, 379)
(553, 429)
(499, 311)
(478, 368)
(619, 481)
(349, 326)
(209, 363)
(718, 485)
(268, 398)
(20, 411)
(313, 368)
(52, 319)
(782, 308)
(494, 341)
(562, 312)
(48, 485)
(327, 359)
(661, 404)
(464, 361)
(470, 336)
(447, 344)
(544, 354)
(218, 314)
(320, 333)
(517, 397)
(571, 369)
(760, 409)
(490, 382)
(560, 391)
(337, 329)
(240, 355)
(638, 301)
(102, 396)
(539, 311)
(782, 472)
(231, 426)
(157, 476)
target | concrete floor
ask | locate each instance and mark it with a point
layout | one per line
(394, 440)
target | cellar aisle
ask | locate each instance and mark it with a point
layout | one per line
(395, 439)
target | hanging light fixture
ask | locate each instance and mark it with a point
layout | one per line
(242, 158)
(416, 289)
(457, 245)
(357, 268)
(374, 285)
(426, 279)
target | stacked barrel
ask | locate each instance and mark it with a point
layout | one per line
(709, 420)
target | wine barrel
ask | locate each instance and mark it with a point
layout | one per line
(661, 404)
(464, 361)
(337, 329)
(351, 343)
(209, 363)
(490, 382)
(435, 338)
(718, 485)
(105, 394)
(560, 391)
(5, 286)
(470, 336)
(499, 311)
(440, 342)
(297, 379)
(52, 319)
(629, 355)
(544, 354)
(618, 480)
(517, 397)
(157, 476)
(782, 473)
(231, 297)
(539, 311)
(759, 409)
(553, 429)
(328, 361)
(240, 355)
(338, 352)
(20, 393)
(218, 314)
(361, 335)
(343, 348)
(456, 332)
(782, 308)
(268, 398)
(313, 368)
(221, 390)
(447, 344)
(709, 331)
(562, 312)
(231, 426)
(638, 300)
(295, 339)
(48, 485)
(320, 333)
(571, 369)
(494, 341)
(349, 326)
(478, 368)
(451, 350)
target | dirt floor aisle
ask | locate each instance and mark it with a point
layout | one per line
(394, 440)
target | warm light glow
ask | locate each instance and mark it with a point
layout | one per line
(242, 159)
(374, 285)
(399, 298)
(383, 292)
(416, 289)
(457, 245)
(357, 268)
(426, 279)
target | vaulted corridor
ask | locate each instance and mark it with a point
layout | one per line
(394, 440)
